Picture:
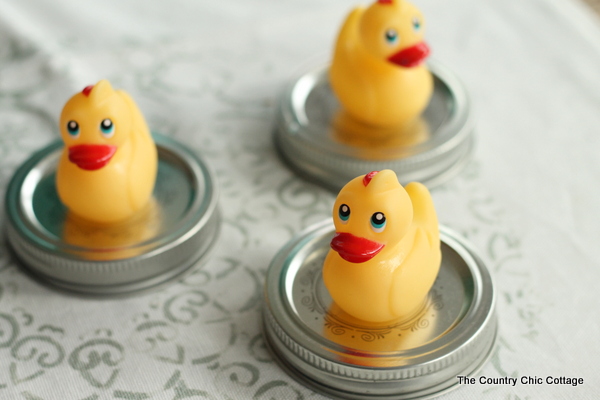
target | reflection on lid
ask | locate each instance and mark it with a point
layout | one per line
(378, 143)
(377, 345)
(113, 241)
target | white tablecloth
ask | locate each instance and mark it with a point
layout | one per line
(209, 74)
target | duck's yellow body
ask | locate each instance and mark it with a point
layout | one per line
(107, 170)
(386, 253)
(377, 72)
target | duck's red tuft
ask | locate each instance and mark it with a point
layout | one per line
(368, 177)
(86, 90)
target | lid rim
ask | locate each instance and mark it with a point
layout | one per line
(125, 289)
(425, 393)
(432, 162)
(161, 258)
(462, 347)
(203, 208)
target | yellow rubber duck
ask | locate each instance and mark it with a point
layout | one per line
(377, 72)
(385, 254)
(108, 167)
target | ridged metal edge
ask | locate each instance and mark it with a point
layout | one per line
(132, 286)
(114, 277)
(317, 162)
(338, 379)
(368, 374)
(44, 260)
(316, 382)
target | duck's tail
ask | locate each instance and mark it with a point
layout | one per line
(140, 130)
(425, 216)
(144, 158)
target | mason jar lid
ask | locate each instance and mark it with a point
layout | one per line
(420, 357)
(317, 140)
(175, 231)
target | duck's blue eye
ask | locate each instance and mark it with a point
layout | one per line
(73, 128)
(416, 24)
(391, 36)
(107, 127)
(344, 213)
(378, 222)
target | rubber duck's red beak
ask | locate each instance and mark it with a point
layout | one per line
(91, 156)
(355, 249)
(410, 56)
